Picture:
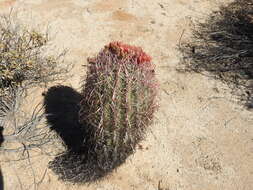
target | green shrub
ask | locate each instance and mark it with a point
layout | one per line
(25, 61)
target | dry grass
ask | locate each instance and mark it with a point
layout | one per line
(26, 62)
(26, 130)
(223, 46)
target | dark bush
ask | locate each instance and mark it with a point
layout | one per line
(25, 62)
(223, 46)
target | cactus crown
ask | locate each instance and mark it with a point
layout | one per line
(124, 50)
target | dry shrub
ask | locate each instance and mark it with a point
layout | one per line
(23, 60)
(25, 63)
(223, 46)
(24, 130)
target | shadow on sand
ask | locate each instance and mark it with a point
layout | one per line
(78, 164)
(62, 107)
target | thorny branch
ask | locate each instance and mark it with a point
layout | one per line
(222, 46)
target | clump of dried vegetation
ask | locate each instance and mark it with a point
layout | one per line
(25, 62)
(223, 47)
(22, 55)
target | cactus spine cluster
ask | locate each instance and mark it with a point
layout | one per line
(119, 100)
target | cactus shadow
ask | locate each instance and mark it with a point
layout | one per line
(78, 164)
(61, 108)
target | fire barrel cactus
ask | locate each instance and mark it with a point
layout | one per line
(119, 101)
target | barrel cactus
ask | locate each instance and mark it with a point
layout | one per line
(118, 101)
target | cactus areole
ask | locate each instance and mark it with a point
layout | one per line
(119, 100)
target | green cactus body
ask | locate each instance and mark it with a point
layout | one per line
(119, 100)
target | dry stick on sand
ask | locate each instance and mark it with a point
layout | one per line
(28, 132)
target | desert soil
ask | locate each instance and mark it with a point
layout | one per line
(201, 139)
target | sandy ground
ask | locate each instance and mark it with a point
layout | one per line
(201, 139)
